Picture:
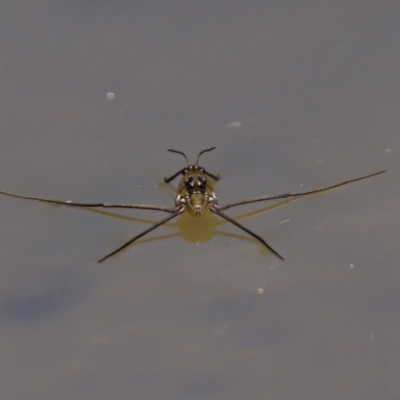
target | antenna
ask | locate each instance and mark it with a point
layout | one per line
(203, 151)
(179, 152)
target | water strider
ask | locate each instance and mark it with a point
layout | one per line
(195, 194)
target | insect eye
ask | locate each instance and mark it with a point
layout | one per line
(189, 183)
(201, 182)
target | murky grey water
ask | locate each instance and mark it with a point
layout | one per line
(294, 97)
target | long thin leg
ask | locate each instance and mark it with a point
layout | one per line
(284, 195)
(216, 211)
(102, 205)
(156, 225)
(215, 177)
(168, 180)
(182, 171)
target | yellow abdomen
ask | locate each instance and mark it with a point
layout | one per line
(196, 203)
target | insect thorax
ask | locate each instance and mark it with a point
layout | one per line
(195, 191)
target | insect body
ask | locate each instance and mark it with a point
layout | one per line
(195, 194)
(195, 191)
